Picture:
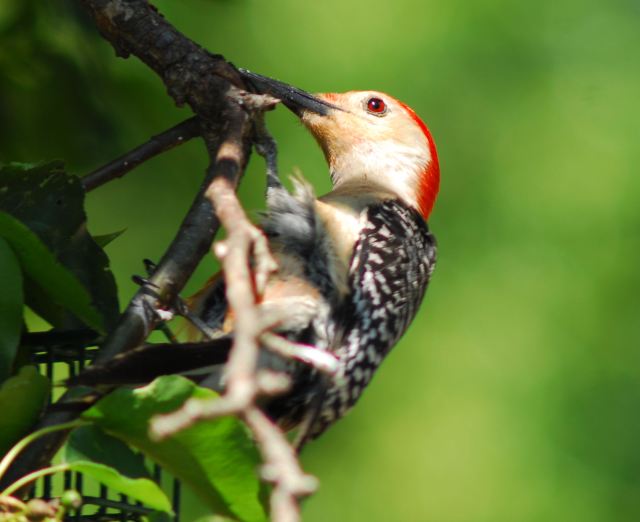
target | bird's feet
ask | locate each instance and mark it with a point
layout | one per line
(166, 313)
(267, 148)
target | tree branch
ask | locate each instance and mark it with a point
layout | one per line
(246, 382)
(177, 135)
(226, 114)
(191, 243)
(207, 83)
(191, 74)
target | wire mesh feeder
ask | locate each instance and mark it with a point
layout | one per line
(62, 355)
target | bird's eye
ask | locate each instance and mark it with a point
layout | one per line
(376, 106)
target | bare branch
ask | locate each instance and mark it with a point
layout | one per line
(245, 381)
(191, 242)
(323, 361)
(212, 87)
(203, 80)
(191, 74)
(158, 144)
(281, 467)
(243, 240)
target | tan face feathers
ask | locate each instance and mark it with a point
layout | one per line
(372, 139)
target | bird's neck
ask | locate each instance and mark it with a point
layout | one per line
(387, 168)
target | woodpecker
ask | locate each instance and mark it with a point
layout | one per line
(353, 265)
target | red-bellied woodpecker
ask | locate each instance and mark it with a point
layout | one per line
(353, 264)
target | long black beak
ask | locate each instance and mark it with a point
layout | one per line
(295, 99)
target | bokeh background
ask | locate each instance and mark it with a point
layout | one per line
(516, 393)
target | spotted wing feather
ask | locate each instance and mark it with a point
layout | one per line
(389, 273)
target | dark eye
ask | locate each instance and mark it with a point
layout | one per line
(376, 106)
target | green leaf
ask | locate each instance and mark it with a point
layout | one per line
(50, 203)
(91, 443)
(213, 518)
(156, 516)
(10, 308)
(22, 398)
(51, 279)
(112, 462)
(104, 239)
(217, 458)
(141, 489)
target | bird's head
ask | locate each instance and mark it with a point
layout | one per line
(369, 138)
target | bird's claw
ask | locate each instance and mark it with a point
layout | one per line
(149, 266)
(267, 148)
(143, 281)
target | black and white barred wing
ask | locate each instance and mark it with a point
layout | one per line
(389, 271)
(391, 267)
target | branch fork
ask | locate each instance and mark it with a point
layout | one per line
(229, 120)
(247, 264)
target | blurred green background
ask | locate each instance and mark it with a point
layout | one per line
(515, 396)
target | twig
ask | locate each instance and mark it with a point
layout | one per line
(243, 241)
(245, 381)
(191, 242)
(34, 475)
(210, 86)
(281, 467)
(11, 505)
(202, 80)
(323, 361)
(24, 442)
(158, 144)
